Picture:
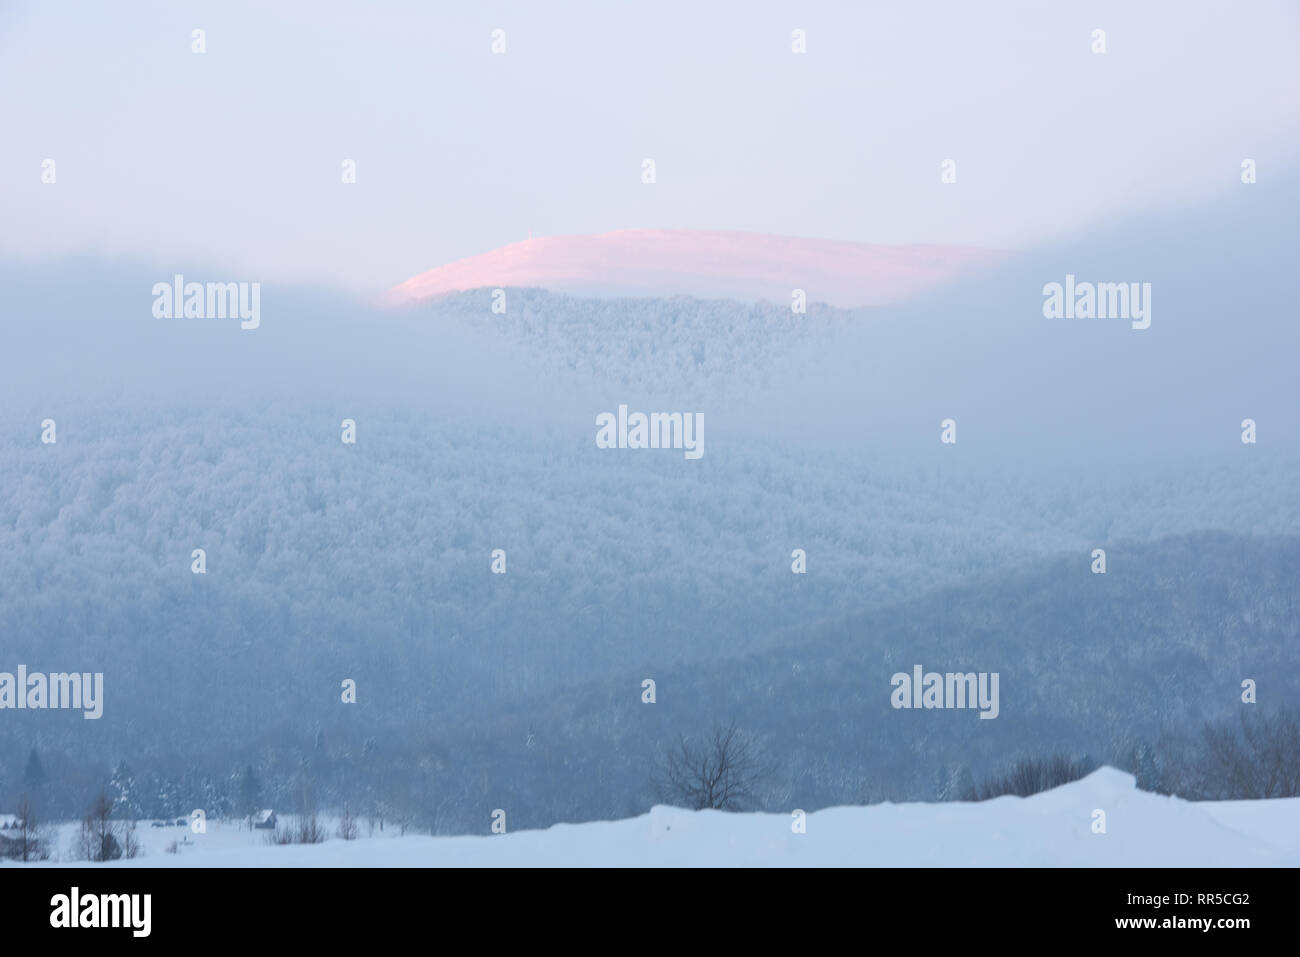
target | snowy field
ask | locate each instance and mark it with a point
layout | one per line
(1054, 828)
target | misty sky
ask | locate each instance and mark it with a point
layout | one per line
(230, 160)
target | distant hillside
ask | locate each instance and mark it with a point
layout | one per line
(373, 561)
(692, 348)
(1096, 665)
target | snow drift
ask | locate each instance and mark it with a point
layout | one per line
(1055, 828)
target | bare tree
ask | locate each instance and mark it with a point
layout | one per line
(128, 839)
(96, 840)
(1031, 775)
(303, 829)
(723, 772)
(27, 842)
(306, 828)
(348, 824)
(443, 811)
(1258, 756)
(103, 839)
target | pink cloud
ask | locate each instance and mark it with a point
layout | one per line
(706, 264)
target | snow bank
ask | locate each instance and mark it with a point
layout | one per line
(1050, 829)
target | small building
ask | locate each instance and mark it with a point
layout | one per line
(9, 822)
(264, 820)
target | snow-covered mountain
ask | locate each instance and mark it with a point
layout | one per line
(659, 345)
(706, 264)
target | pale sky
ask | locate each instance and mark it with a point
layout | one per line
(231, 160)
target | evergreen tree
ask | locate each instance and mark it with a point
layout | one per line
(121, 789)
(34, 776)
(250, 792)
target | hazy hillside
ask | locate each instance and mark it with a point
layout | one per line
(1096, 665)
(1090, 664)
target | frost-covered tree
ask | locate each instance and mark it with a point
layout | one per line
(723, 772)
(122, 792)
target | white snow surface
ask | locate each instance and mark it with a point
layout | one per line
(1051, 829)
